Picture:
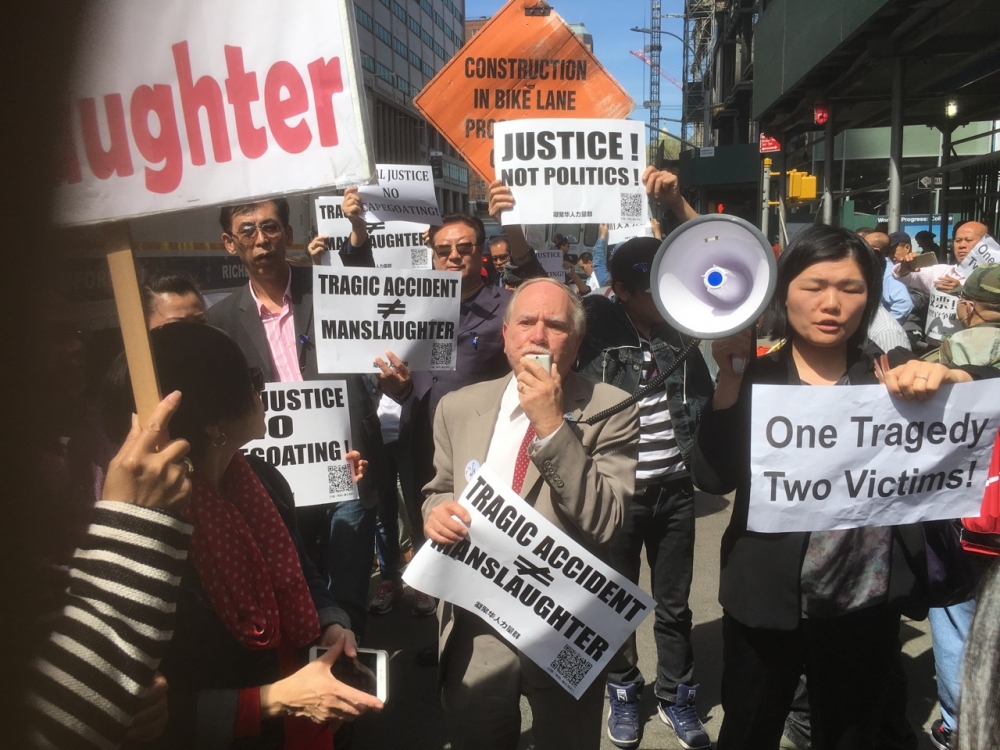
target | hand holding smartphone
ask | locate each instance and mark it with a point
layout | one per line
(368, 672)
(545, 360)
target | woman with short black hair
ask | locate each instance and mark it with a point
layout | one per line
(827, 602)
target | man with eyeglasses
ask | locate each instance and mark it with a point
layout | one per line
(500, 256)
(457, 247)
(271, 318)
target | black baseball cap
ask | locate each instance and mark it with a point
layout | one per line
(632, 262)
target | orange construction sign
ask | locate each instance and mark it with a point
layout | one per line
(525, 62)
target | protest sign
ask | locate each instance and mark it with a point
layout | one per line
(403, 193)
(551, 261)
(163, 116)
(544, 593)
(627, 230)
(360, 313)
(851, 456)
(572, 170)
(987, 250)
(308, 434)
(395, 244)
(519, 64)
(942, 315)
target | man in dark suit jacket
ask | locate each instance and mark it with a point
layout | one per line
(271, 318)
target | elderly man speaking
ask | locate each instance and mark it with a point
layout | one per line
(528, 426)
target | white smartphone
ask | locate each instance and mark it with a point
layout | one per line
(545, 360)
(369, 672)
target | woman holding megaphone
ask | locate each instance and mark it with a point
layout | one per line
(827, 603)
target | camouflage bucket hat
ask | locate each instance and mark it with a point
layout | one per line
(983, 284)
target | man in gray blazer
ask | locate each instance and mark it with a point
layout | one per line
(528, 426)
(271, 318)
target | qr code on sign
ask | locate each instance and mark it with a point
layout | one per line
(631, 204)
(441, 356)
(338, 480)
(570, 666)
(420, 257)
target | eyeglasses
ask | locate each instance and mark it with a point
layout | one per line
(269, 229)
(257, 379)
(501, 258)
(463, 248)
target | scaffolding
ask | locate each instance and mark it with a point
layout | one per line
(699, 36)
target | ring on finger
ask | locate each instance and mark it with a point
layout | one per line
(920, 377)
(188, 465)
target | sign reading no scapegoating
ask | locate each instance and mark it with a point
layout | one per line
(187, 104)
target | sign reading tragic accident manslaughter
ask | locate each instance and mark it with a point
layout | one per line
(163, 116)
(403, 193)
(395, 244)
(541, 591)
(308, 435)
(851, 456)
(520, 64)
(361, 313)
(572, 170)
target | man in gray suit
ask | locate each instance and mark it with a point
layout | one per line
(579, 476)
(271, 318)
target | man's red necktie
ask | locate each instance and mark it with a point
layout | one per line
(521, 464)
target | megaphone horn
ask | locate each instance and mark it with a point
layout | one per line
(713, 276)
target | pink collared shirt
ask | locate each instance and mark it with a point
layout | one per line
(279, 328)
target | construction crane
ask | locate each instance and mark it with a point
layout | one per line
(645, 58)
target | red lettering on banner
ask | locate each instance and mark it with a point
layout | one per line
(165, 147)
(326, 81)
(156, 128)
(116, 158)
(195, 96)
(284, 77)
(241, 89)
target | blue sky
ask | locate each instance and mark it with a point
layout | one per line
(609, 22)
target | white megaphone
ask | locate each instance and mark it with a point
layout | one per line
(713, 276)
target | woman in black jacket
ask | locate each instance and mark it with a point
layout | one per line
(827, 602)
(250, 601)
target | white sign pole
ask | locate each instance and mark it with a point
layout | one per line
(541, 591)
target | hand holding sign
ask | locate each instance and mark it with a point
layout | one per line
(946, 283)
(447, 523)
(918, 380)
(150, 469)
(395, 378)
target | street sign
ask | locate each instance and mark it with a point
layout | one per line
(769, 145)
(706, 151)
(518, 66)
(928, 182)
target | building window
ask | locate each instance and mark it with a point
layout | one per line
(413, 58)
(385, 3)
(414, 24)
(458, 15)
(428, 70)
(363, 18)
(449, 5)
(399, 47)
(383, 33)
(455, 173)
(449, 33)
(439, 20)
(439, 51)
(398, 11)
(427, 7)
(428, 39)
(368, 62)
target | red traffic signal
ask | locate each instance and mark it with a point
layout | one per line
(821, 113)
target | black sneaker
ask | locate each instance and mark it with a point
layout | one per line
(623, 716)
(682, 717)
(940, 735)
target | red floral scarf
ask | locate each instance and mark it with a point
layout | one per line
(247, 562)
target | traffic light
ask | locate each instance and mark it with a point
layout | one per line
(801, 186)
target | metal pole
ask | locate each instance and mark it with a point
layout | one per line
(843, 174)
(945, 186)
(828, 172)
(895, 144)
(765, 197)
(783, 169)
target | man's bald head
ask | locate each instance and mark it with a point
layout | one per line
(966, 238)
(879, 242)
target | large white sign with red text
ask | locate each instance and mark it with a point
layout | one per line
(181, 104)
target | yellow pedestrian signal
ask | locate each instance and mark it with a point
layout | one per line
(801, 186)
